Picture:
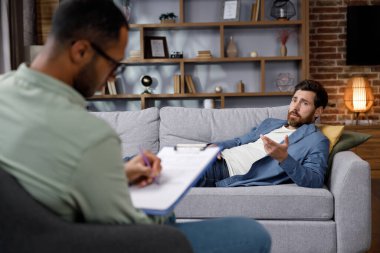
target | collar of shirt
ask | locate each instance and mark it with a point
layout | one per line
(49, 83)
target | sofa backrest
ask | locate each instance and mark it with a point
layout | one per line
(195, 125)
(135, 128)
(153, 129)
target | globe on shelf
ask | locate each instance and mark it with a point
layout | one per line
(146, 81)
(285, 82)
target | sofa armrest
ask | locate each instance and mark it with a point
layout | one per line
(350, 184)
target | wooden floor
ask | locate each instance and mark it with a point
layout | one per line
(375, 246)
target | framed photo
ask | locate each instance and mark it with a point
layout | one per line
(155, 47)
(231, 10)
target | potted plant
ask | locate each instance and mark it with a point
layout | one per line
(169, 17)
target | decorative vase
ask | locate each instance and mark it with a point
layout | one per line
(231, 48)
(283, 50)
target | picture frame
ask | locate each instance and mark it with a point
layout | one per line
(155, 47)
(231, 10)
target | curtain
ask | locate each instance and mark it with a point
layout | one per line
(16, 31)
(5, 46)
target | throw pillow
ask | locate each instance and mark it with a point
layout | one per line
(332, 133)
(347, 141)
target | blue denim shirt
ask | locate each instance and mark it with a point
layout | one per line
(305, 165)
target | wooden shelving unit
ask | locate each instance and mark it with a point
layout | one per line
(222, 28)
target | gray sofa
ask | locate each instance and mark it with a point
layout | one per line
(336, 218)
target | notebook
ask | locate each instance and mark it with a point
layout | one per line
(182, 166)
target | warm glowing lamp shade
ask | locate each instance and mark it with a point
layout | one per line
(358, 95)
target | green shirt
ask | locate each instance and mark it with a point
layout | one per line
(68, 159)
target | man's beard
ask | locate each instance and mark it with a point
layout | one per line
(299, 121)
(86, 81)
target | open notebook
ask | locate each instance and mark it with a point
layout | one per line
(181, 168)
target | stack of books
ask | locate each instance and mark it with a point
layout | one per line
(204, 54)
(135, 55)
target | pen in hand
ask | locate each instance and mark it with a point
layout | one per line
(147, 163)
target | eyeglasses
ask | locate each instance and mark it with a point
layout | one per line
(119, 67)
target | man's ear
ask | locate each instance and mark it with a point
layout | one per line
(80, 52)
(318, 112)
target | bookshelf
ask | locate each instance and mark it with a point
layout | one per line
(195, 31)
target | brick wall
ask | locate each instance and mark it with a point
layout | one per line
(328, 58)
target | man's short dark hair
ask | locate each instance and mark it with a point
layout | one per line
(98, 21)
(321, 97)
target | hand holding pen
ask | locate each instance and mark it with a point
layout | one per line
(143, 169)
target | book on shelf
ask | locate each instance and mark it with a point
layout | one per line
(177, 84)
(111, 88)
(204, 54)
(255, 11)
(135, 55)
(190, 84)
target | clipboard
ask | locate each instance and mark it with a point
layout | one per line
(182, 166)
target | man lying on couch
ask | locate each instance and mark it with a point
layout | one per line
(277, 151)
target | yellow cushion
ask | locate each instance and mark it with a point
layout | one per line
(332, 133)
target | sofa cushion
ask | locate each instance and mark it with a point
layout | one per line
(347, 141)
(332, 133)
(211, 125)
(280, 202)
(135, 128)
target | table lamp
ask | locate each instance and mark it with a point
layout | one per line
(358, 96)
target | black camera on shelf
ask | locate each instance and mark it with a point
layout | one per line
(176, 54)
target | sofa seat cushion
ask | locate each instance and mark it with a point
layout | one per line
(279, 202)
(135, 129)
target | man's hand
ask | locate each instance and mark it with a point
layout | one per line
(139, 173)
(219, 156)
(276, 150)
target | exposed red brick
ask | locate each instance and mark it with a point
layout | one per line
(330, 70)
(324, 37)
(333, 97)
(360, 69)
(334, 43)
(330, 30)
(325, 10)
(323, 50)
(324, 76)
(328, 56)
(341, 62)
(342, 36)
(328, 118)
(331, 16)
(324, 24)
(326, 3)
(322, 63)
(333, 82)
(331, 90)
(313, 17)
(357, 2)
